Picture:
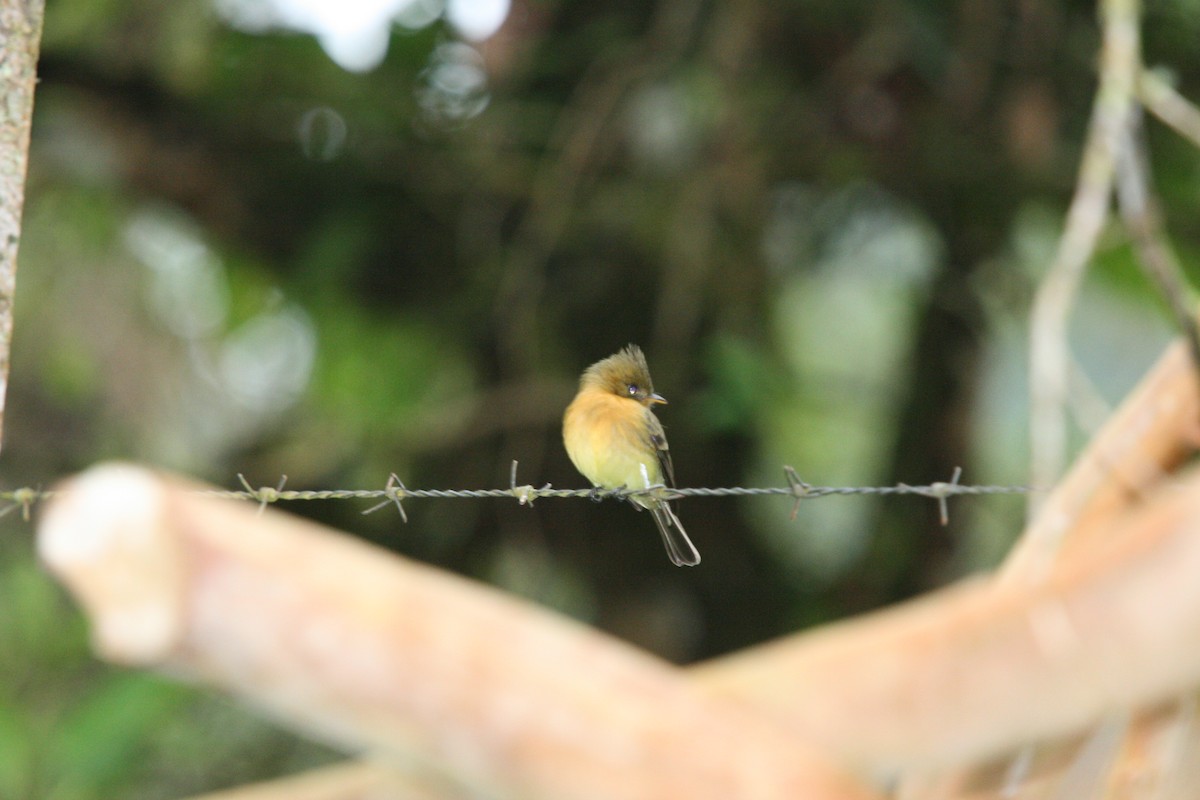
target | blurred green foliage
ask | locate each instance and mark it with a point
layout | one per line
(823, 221)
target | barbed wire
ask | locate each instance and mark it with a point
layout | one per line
(395, 492)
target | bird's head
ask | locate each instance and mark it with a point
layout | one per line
(624, 374)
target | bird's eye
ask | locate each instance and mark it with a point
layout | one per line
(633, 389)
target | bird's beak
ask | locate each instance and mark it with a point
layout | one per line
(657, 398)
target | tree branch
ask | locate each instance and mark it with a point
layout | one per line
(1120, 64)
(21, 36)
(372, 652)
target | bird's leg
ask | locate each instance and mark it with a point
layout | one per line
(595, 495)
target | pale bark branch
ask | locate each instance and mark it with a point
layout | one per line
(1120, 62)
(1147, 438)
(20, 40)
(351, 780)
(372, 652)
(1173, 109)
(966, 674)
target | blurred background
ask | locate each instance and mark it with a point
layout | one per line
(336, 240)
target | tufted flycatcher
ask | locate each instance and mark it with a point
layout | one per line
(614, 439)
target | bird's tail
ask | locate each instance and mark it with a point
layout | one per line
(680, 549)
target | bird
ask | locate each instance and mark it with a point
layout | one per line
(614, 439)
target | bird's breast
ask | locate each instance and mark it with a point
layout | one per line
(608, 440)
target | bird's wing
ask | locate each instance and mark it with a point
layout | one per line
(658, 438)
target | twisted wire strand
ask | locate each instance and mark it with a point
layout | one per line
(660, 492)
(395, 491)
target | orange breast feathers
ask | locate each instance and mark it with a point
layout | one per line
(608, 440)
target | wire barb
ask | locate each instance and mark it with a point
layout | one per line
(23, 499)
(799, 488)
(940, 491)
(525, 494)
(394, 490)
(264, 494)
